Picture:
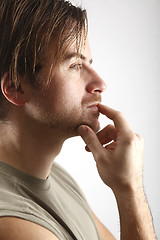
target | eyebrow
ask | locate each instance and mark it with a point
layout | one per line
(77, 55)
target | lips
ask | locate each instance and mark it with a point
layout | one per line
(93, 106)
(93, 102)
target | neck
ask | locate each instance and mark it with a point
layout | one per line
(30, 150)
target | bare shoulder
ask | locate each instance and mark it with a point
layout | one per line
(12, 228)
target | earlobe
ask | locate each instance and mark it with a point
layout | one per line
(13, 95)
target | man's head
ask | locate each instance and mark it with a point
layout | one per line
(27, 29)
(46, 72)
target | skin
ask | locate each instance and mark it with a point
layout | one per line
(47, 114)
(74, 75)
(119, 164)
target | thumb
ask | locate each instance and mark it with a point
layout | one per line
(91, 139)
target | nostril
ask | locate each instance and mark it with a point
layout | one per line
(97, 91)
(96, 87)
(101, 87)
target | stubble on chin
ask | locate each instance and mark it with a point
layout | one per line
(67, 125)
(92, 122)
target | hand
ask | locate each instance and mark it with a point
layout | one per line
(117, 150)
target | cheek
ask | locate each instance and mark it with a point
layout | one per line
(68, 91)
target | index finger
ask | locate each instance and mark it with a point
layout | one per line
(117, 117)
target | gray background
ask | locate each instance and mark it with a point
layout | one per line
(125, 40)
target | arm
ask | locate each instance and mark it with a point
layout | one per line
(119, 164)
(12, 228)
(104, 233)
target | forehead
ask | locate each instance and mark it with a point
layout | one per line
(83, 50)
(84, 53)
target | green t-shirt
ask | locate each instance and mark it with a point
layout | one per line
(55, 203)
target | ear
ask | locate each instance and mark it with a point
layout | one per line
(13, 95)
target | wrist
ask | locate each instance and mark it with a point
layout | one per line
(135, 217)
(129, 192)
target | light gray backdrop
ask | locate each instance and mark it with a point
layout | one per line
(125, 41)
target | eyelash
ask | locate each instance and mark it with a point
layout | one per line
(77, 65)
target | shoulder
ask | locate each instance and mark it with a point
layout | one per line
(12, 228)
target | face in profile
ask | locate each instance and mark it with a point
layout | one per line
(72, 93)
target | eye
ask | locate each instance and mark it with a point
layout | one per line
(77, 66)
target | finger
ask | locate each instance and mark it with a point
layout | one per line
(110, 146)
(91, 140)
(119, 121)
(107, 134)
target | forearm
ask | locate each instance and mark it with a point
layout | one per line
(135, 217)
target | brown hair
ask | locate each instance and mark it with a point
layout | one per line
(26, 30)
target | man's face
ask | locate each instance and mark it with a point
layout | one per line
(71, 97)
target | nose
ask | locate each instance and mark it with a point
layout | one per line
(95, 83)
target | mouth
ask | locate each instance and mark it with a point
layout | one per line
(92, 115)
(93, 106)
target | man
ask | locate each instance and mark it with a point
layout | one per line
(49, 93)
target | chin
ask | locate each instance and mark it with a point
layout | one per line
(95, 126)
(74, 133)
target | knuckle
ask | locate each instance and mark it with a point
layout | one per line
(130, 138)
(110, 125)
(118, 114)
(140, 138)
